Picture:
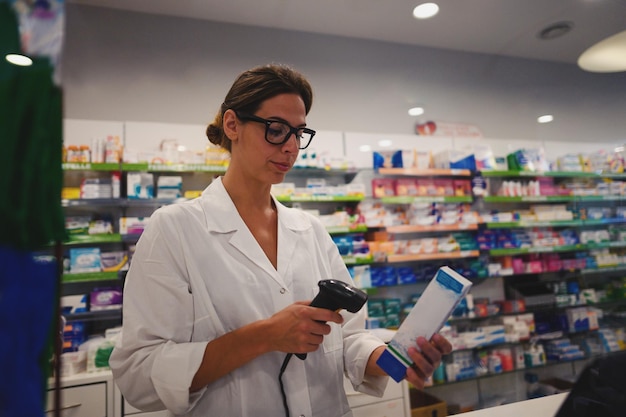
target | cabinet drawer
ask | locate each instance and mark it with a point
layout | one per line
(80, 401)
(391, 408)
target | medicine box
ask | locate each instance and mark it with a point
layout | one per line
(433, 308)
(85, 260)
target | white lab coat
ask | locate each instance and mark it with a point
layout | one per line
(197, 274)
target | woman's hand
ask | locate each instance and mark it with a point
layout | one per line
(425, 363)
(300, 328)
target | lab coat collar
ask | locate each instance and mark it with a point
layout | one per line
(219, 210)
(222, 217)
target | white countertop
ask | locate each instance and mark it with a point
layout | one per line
(537, 407)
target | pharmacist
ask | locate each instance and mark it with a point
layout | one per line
(219, 287)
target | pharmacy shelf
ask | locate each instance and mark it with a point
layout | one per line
(414, 172)
(320, 199)
(88, 166)
(553, 223)
(93, 239)
(412, 228)
(180, 168)
(563, 248)
(554, 174)
(553, 199)
(118, 202)
(90, 277)
(114, 314)
(425, 199)
(338, 230)
(547, 249)
(433, 256)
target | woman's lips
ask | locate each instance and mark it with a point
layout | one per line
(282, 166)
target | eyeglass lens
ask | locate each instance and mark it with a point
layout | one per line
(278, 133)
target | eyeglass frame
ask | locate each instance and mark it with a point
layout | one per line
(267, 122)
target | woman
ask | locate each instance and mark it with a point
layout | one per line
(219, 286)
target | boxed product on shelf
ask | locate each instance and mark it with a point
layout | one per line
(139, 185)
(387, 159)
(73, 363)
(169, 186)
(114, 261)
(132, 225)
(91, 188)
(85, 260)
(77, 225)
(383, 187)
(105, 299)
(100, 227)
(455, 159)
(72, 304)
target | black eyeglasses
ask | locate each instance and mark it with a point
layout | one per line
(277, 132)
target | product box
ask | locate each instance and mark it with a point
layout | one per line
(133, 225)
(433, 308)
(426, 405)
(105, 299)
(85, 260)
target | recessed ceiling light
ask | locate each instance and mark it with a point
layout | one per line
(21, 60)
(555, 30)
(546, 118)
(385, 143)
(608, 55)
(365, 148)
(425, 10)
(416, 111)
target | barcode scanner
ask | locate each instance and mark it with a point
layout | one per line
(337, 295)
(334, 295)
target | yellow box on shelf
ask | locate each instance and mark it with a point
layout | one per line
(70, 193)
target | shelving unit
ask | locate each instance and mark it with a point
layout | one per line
(482, 384)
(325, 204)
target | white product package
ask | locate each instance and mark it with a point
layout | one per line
(433, 308)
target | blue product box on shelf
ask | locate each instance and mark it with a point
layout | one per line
(85, 260)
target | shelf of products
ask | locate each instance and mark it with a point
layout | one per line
(423, 218)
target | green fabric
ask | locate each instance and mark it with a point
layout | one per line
(30, 147)
(31, 215)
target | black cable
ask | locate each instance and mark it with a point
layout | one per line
(280, 380)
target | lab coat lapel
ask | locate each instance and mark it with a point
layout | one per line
(291, 225)
(222, 217)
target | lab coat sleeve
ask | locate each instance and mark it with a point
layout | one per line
(358, 343)
(154, 361)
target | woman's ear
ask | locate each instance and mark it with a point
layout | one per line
(230, 124)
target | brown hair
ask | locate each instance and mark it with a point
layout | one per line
(253, 87)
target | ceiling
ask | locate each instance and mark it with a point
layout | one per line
(497, 27)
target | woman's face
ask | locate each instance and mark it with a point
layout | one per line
(263, 161)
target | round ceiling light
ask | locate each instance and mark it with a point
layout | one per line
(21, 60)
(425, 10)
(608, 55)
(416, 111)
(546, 118)
(555, 30)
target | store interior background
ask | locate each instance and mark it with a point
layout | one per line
(123, 69)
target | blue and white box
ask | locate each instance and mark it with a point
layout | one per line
(85, 260)
(433, 308)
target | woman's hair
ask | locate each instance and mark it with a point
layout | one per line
(252, 88)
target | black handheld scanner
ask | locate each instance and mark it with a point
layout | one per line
(337, 295)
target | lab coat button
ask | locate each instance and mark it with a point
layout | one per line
(282, 291)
